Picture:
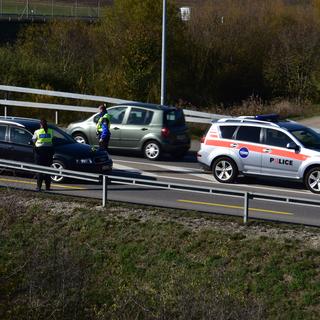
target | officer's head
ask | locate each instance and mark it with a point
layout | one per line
(102, 108)
(44, 124)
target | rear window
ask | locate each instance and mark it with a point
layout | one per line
(3, 132)
(250, 134)
(227, 131)
(174, 118)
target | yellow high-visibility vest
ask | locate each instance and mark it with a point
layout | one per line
(44, 139)
(99, 123)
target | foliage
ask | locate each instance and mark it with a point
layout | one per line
(129, 42)
(292, 68)
(229, 51)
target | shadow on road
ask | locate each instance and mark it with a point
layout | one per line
(271, 182)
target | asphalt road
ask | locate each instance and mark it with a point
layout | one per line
(187, 171)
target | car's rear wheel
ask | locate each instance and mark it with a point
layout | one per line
(58, 165)
(224, 170)
(80, 137)
(312, 180)
(152, 150)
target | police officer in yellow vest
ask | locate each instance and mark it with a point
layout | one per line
(103, 127)
(43, 152)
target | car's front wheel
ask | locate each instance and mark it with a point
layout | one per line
(58, 165)
(152, 150)
(312, 180)
(80, 137)
(224, 170)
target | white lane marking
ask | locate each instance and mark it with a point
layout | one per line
(192, 171)
(175, 168)
(171, 168)
(133, 170)
(207, 177)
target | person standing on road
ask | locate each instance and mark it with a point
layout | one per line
(103, 127)
(43, 152)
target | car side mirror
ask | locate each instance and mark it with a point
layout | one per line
(30, 143)
(293, 146)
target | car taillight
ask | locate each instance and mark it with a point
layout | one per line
(202, 139)
(165, 132)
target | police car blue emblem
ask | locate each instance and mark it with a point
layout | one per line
(243, 152)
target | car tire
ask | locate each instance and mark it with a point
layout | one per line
(152, 150)
(224, 170)
(57, 164)
(80, 137)
(312, 180)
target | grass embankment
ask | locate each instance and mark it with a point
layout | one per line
(64, 258)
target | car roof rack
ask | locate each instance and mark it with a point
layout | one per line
(249, 119)
(272, 117)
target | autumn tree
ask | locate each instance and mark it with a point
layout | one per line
(129, 55)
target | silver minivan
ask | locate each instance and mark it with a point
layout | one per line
(147, 128)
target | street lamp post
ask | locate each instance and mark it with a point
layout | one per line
(163, 59)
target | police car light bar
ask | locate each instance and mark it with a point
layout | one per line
(273, 117)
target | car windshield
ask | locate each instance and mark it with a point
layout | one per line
(174, 118)
(308, 137)
(60, 137)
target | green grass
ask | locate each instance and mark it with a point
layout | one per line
(63, 258)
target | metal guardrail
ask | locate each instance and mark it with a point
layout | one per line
(105, 179)
(25, 166)
(38, 9)
(191, 115)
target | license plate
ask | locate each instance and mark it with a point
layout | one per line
(105, 167)
(181, 137)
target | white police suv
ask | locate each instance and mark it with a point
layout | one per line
(262, 146)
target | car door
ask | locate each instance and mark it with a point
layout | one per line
(4, 145)
(277, 159)
(136, 127)
(20, 147)
(248, 148)
(118, 116)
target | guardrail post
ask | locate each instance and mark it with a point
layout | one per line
(5, 107)
(246, 208)
(57, 116)
(104, 190)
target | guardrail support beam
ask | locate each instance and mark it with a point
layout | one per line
(5, 108)
(246, 208)
(57, 116)
(104, 190)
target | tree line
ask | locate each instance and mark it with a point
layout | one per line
(227, 52)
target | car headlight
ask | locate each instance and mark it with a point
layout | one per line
(84, 161)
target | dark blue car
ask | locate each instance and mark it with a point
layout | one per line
(15, 137)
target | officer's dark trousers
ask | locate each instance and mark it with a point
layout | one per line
(104, 143)
(43, 156)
